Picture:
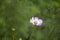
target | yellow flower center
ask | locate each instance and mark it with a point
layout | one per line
(35, 22)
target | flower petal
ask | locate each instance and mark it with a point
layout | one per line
(31, 20)
(39, 22)
(36, 18)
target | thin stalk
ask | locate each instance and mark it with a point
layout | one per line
(32, 33)
(12, 35)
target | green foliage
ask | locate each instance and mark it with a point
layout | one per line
(15, 16)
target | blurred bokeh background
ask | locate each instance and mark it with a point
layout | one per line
(15, 16)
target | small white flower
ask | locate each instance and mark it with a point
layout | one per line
(20, 38)
(13, 29)
(36, 21)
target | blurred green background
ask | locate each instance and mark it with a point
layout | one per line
(15, 16)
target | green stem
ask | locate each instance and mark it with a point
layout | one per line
(12, 35)
(32, 32)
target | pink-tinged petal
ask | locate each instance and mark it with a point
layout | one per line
(39, 22)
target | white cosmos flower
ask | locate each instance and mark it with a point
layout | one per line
(36, 21)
